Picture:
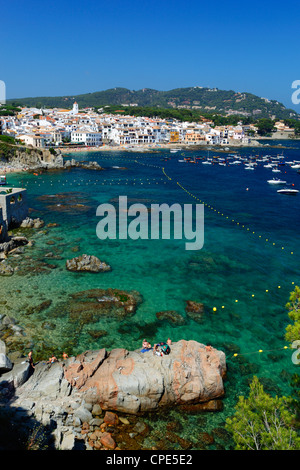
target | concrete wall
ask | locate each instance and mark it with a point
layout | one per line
(13, 206)
(3, 227)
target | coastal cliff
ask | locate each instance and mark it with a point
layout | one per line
(20, 157)
(65, 393)
(24, 158)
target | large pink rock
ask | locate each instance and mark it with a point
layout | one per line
(131, 381)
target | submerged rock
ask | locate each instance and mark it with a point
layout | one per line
(6, 269)
(87, 263)
(195, 310)
(87, 306)
(171, 316)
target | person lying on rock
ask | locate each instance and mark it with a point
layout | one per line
(146, 346)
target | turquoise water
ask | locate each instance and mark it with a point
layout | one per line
(231, 273)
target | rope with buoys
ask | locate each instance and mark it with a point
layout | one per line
(223, 215)
(260, 351)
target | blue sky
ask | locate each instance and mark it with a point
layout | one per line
(71, 47)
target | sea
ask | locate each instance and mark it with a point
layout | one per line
(243, 274)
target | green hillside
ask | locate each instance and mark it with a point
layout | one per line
(204, 100)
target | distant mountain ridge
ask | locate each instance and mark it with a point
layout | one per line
(202, 99)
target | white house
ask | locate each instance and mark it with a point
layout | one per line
(90, 139)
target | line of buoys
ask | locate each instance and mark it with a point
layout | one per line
(260, 351)
(251, 297)
(147, 164)
(111, 181)
(227, 217)
(239, 224)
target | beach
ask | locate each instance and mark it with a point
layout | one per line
(170, 146)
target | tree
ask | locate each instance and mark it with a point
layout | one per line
(52, 151)
(262, 422)
(265, 126)
(293, 330)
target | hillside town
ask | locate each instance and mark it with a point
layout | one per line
(69, 128)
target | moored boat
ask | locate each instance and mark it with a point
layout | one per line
(276, 181)
(288, 191)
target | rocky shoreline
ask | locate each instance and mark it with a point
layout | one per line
(98, 399)
(21, 158)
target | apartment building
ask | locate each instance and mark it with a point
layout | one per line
(88, 138)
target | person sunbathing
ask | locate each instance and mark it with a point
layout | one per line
(146, 346)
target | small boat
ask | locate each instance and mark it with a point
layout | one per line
(276, 170)
(2, 180)
(276, 181)
(288, 191)
(206, 163)
(295, 166)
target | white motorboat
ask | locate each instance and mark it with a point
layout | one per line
(288, 191)
(276, 181)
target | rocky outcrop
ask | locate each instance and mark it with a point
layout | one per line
(28, 157)
(13, 243)
(87, 263)
(5, 363)
(85, 164)
(74, 393)
(131, 381)
(135, 381)
(32, 223)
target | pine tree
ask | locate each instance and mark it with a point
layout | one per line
(262, 422)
